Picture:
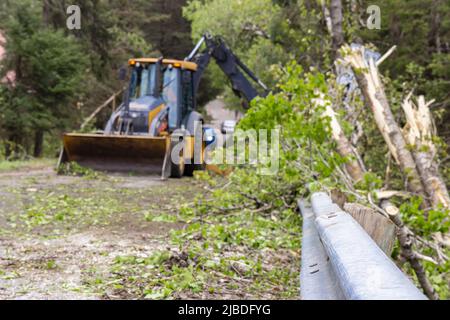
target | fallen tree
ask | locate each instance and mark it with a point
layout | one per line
(419, 133)
(343, 145)
(369, 81)
(413, 150)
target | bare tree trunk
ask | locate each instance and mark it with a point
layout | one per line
(38, 143)
(435, 26)
(419, 133)
(333, 21)
(326, 16)
(8, 149)
(336, 22)
(375, 97)
(46, 12)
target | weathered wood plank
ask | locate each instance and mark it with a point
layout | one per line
(380, 228)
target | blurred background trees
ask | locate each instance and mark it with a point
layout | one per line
(266, 34)
(63, 75)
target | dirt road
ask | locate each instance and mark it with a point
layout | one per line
(61, 234)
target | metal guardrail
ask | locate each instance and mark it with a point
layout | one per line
(340, 261)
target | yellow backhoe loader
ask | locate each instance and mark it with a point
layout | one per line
(159, 112)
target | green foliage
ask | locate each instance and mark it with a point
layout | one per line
(162, 217)
(428, 224)
(74, 169)
(263, 33)
(214, 248)
(47, 209)
(52, 66)
(370, 182)
(433, 221)
(227, 17)
(307, 152)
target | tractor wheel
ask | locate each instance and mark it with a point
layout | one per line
(190, 168)
(177, 169)
(200, 167)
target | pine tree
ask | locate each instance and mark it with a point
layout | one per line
(165, 27)
(49, 69)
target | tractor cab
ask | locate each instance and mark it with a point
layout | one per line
(160, 94)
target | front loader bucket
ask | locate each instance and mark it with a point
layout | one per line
(118, 153)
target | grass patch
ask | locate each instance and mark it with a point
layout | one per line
(62, 210)
(6, 166)
(37, 207)
(51, 208)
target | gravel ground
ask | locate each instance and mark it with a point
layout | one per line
(49, 250)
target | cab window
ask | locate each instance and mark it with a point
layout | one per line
(142, 80)
(171, 94)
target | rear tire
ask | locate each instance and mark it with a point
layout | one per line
(191, 168)
(177, 169)
(200, 167)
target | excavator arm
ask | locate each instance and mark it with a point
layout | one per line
(229, 63)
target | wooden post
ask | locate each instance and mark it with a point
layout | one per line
(380, 228)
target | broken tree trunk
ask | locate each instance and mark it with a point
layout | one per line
(419, 132)
(375, 97)
(344, 147)
(337, 32)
